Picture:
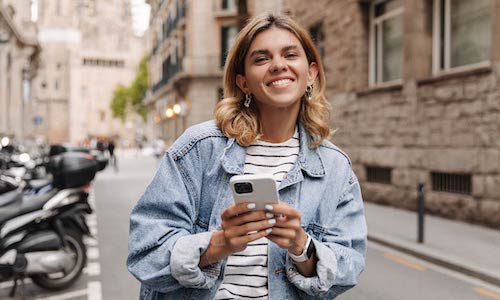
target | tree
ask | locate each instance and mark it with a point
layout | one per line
(129, 98)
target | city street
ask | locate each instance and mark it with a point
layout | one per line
(388, 274)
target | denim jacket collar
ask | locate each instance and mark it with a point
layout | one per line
(233, 159)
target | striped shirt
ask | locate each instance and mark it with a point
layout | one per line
(245, 275)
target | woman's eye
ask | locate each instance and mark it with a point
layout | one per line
(291, 55)
(260, 59)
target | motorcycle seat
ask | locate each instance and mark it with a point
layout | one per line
(27, 205)
(9, 197)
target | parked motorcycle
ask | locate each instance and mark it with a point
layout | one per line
(41, 235)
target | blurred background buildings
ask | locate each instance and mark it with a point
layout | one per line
(19, 63)
(88, 49)
(189, 41)
(414, 87)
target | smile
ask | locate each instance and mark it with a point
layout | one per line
(280, 82)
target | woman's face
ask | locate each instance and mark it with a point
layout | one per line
(276, 70)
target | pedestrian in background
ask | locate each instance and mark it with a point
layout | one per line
(187, 237)
(112, 157)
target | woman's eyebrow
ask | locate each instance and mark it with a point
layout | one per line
(264, 51)
(259, 51)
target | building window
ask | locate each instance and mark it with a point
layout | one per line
(452, 183)
(386, 41)
(228, 35)
(317, 33)
(229, 5)
(462, 33)
(378, 174)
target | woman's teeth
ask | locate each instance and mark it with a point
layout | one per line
(280, 82)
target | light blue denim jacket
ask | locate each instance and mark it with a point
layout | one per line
(171, 225)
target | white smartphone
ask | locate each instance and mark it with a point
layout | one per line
(260, 189)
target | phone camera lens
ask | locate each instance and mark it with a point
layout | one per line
(243, 187)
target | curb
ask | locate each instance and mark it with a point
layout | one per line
(421, 252)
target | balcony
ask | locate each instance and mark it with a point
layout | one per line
(192, 67)
(169, 71)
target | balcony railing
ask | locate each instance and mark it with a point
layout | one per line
(169, 71)
(194, 66)
(171, 23)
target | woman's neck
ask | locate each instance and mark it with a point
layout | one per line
(277, 126)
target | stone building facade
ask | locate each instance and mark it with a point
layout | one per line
(189, 40)
(19, 57)
(415, 92)
(88, 49)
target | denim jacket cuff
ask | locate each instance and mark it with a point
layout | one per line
(320, 284)
(185, 258)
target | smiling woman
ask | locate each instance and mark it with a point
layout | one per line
(187, 237)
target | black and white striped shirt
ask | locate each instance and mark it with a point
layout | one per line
(245, 275)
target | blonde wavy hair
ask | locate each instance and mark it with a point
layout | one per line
(243, 124)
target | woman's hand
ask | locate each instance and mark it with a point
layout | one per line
(241, 224)
(289, 234)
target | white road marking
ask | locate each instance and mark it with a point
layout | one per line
(439, 269)
(92, 222)
(90, 242)
(68, 295)
(93, 231)
(93, 253)
(93, 269)
(94, 290)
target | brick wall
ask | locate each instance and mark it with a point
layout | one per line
(447, 123)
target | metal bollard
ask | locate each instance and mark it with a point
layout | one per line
(421, 212)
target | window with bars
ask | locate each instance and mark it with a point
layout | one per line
(452, 183)
(378, 174)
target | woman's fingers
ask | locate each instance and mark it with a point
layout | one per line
(246, 218)
(237, 209)
(238, 244)
(283, 209)
(284, 233)
(245, 229)
(282, 242)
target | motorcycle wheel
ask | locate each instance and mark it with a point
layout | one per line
(61, 280)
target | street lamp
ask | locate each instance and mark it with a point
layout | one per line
(169, 113)
(181, 109)
(177, 108)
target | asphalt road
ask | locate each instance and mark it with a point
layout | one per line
(388, 274)
(116, 193)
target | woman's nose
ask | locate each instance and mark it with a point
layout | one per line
(278, 65)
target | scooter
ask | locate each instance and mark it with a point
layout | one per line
(41, 235)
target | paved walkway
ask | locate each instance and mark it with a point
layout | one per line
(470, 249)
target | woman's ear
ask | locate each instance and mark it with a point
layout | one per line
(241, 82)
(312, 73)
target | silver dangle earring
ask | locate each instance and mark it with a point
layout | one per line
(309, 92)
(248, 99)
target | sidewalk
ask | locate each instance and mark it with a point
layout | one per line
(466, 248)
